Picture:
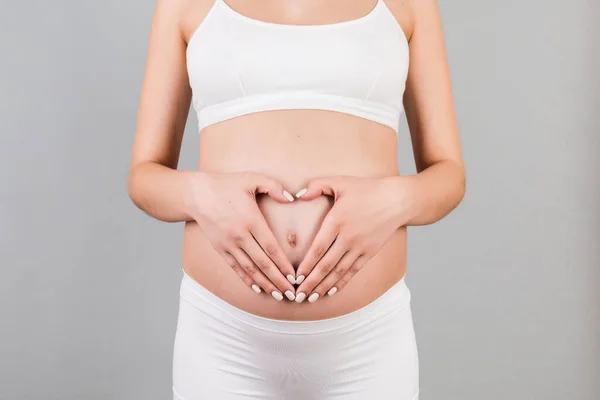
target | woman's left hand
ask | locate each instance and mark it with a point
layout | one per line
(365, 214)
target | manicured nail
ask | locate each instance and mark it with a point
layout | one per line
(313, 297)
(256, 288)
(300, 297)
(291, 279)
(301, 193)
(290, 295)
(332, 291)
(299, 279)
(276, 295)
(288, 196)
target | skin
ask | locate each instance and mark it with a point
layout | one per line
(346, 234)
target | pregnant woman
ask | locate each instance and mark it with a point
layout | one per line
(294, 247)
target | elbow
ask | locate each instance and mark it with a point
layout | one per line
(461, 181)
(462, 178)
(131, 187)
(457, 182)
(133, 190)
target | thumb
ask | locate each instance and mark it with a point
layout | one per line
(318, 187)
(273, 189)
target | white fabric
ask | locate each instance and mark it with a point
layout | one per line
(224, 353)
(238, 65)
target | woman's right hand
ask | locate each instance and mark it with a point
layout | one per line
(224, 206)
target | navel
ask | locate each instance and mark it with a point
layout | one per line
(291, 239)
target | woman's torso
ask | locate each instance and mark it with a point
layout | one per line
(294, 146)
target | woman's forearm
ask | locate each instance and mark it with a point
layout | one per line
(431, 194)
(162, 192)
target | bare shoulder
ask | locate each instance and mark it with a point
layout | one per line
(192, 15)
(403, 12)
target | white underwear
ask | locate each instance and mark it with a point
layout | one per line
(224, 353)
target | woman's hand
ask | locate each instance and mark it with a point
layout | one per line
(365, 214)
(224, 205)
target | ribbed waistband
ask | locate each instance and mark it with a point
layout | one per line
(374, 111)
(394, 299)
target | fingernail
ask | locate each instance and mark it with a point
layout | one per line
(300, 297)
(299, 279)
(313, 297)
(290, 295)
(332, 291)
(256, 288)
(291, 279)
(288, 196)
(277, 296)
(301, 193)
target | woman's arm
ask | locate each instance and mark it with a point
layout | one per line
(224, 205)
(154, 184)
(368, 211)
(439, 185)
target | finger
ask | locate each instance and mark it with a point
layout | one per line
(330, 285)
(255, 273)
(320, 272)
(232, 262)
(266, 240)
(350, 273)
(268, 268)
(325, 237)
(317, 187)
(272, 188)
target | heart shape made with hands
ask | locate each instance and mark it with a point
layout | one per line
(295, 224)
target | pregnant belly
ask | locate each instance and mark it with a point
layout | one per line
(293, 147)
(295, 225)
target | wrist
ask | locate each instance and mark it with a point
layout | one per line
(195, 188)
(403, 192)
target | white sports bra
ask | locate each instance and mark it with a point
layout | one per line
(238, 65)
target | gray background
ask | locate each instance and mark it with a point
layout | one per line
(505, 290)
